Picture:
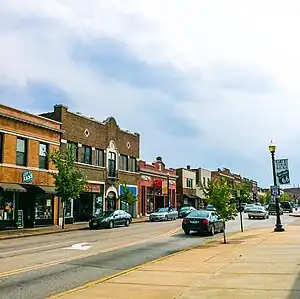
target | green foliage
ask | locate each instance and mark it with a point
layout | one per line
(127, 195)
(245, 191)
(69, 180)
(218, 194)
(266, 198)
(285, 197)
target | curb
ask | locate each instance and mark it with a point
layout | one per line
(2, 238)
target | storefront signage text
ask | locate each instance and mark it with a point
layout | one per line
(27, 177)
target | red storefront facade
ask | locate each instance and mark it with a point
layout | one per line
(155, 181)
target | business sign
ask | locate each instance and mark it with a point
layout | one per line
(132, 189)
(165, 188)
(27, 177)
(282, 171)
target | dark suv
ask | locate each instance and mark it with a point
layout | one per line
(272, 209)
(286, 206)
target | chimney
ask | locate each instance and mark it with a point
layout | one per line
(188, 167)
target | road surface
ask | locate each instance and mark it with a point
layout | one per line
(41, 266)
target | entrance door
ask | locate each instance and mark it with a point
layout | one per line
(111, 201)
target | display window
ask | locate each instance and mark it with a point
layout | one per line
(44, 207)
(69, 208)
(7, 206)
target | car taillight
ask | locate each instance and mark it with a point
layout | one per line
(205, 221)
(184, 221)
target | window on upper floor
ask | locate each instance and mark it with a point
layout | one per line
(21, 153)
(132, 164)
(43, 155)
(204, 182)
(123, 162)
(189, 183)
(86, 155)
(112, 164)
(208, 181)
(99, 157)
(1, 147)
(74, 148)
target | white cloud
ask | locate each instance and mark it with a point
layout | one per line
(256, 41)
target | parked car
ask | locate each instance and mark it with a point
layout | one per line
(110, 219)
(202, 221)
(184, 211)
(258, 212)
(286, 206)
(272, 209)
(164, 214)
(248, 207)
(210, 208)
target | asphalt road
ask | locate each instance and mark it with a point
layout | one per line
(42, 266)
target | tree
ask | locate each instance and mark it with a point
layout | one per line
(127, 196)
(266, 198)
(69, 180)
(285, 197)
(218, 194)
(245, 191)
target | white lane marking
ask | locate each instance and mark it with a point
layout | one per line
(34, 248)
(80, 246)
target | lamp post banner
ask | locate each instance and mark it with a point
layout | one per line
(282, 171)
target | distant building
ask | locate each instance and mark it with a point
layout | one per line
(155, 179)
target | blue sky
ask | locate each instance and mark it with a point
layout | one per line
(207, 84)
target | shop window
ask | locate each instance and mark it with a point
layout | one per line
(123, 162)
(99, 157)
(21, 158)
(43, 156)
(86, 155)
(69, 208)
(74, 148)
(133, 164)
(7, 206)
(1, 148)
(43, 208)
(189, 183)
(111, 164)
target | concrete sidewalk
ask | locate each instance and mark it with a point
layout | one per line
(255, 264)
(28, 232)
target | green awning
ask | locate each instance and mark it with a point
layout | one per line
(48, 189)
(12, 187)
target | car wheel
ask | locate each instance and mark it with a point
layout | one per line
(212, 230)
(152, 220)
(166, 218)
(249, 217)
(187, 231)
(111, 224)
(127, 222)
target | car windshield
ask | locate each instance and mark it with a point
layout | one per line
(185, 208)
(107, 213)
(162, 210)
(200, 214)
(257, 208)
(285, 204)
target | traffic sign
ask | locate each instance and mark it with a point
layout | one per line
(275, 191)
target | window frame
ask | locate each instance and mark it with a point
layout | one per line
(188, 180)
(124, 162)
(44, 157)
(73, 145)
(99, 152)
(25, 153)
(83, 156)
(110, 160)
(132, 167)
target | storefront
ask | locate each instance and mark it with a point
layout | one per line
(124, 205)
(9, 199)
(89, 203)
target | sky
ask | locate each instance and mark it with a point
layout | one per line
(205, 83)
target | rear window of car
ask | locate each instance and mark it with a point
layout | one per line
(201, 214)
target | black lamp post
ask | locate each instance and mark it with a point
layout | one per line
(238, 193)
(278, 225)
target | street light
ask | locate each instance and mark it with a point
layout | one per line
(238, 193)
(278, 225)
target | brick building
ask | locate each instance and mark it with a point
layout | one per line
(157, 186)
(27, 191)
(106, 153)
(186, 187)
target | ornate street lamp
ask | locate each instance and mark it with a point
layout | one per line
(278, 225)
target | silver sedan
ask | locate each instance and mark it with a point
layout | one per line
(258, 212)
(164, 214)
